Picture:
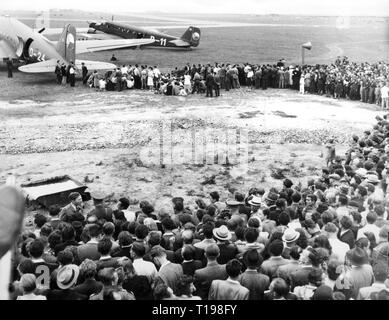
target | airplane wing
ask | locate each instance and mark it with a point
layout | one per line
(39, 67)
(95, 65)
(98, 36)
(103, 45)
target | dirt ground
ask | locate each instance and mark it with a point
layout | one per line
(147, 146)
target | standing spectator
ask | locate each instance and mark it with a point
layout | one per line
(256, 282)
(229, 289)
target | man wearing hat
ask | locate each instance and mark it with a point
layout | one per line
(228, 250)
(233, 206)
(289, 238)
(73, 211)
(66, 279)
(255, 202)
(101, 211)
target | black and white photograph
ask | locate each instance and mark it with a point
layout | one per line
(209, 151)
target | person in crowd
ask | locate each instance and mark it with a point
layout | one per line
(229, 289)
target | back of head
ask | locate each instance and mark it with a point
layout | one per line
(252, 259)
(124, 238)
(187, 236)
(88, 269)
(208, 230)
(276, 247)
(188, 253)
(381, 271)
(108, 229)
(36, 248)
(28, 282)
(315, 276)
(212, 251)
(124, 203)
(106, 276)
(233, 268)
(280, 287)
(94, 230)
(104, 246)
(138, 249)
(251, 235)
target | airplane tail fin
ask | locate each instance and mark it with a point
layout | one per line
(192, 36)
(66, 45)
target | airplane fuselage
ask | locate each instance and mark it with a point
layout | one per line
(162, 40)
(22, 43)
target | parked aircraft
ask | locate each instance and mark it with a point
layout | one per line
(115, 30)
(40, 55)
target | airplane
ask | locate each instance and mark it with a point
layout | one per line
(191, 37)
(40, 55)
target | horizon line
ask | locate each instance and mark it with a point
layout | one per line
(203, 13)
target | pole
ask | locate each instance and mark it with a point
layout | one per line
(302, 55)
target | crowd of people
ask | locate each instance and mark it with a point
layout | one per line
(366, 82)
(326, 240)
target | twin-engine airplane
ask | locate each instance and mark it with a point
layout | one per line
(191, 38)
(40, 55)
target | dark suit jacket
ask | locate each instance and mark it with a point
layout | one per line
(204, 277)
(102, 212)
(68, 294)
(121, 252)
(190, 267)
(300, 277)
(88, 251)
(270, 296)
(107, 263)
(228, 251)
(62, 246)
(139, 286)
(348, 238)
(69, 214)
(88, 287)
(199, 254)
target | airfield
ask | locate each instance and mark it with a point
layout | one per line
(100, 137)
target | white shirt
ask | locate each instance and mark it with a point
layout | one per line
(339, 248)
(187, 80)
(294, 224)
(130, 215)
(145, 268)
(385, 92)
(369, 228)
(157, 73)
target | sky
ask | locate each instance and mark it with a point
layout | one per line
(302, 7)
